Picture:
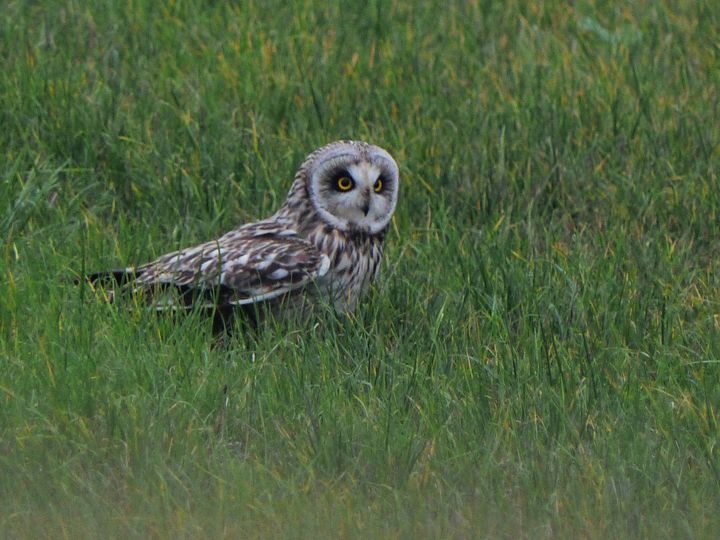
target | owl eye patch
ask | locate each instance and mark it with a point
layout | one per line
(344, 183)
(378, 187)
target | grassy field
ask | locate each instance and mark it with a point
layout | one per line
(541, 357)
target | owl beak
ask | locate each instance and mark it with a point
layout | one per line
(366, 202)
(366, 207)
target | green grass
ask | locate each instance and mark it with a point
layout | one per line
(541, 357)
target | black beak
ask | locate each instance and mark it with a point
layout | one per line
(366, 203)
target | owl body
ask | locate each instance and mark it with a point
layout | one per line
(354, 264)
(323, 245)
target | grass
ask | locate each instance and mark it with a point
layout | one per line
(541, 357)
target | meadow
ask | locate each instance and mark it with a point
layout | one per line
(540, 357)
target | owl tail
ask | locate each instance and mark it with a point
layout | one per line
(109, 280)
(120, 276)
(162, 296)
(183, 297)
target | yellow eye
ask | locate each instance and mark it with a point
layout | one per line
(345, 183)
(378, 185)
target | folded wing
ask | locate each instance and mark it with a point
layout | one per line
(254, 263)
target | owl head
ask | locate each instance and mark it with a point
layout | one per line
(352, 185)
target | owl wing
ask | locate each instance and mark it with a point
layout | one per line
(254, 263)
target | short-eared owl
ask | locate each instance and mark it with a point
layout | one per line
(325, 241)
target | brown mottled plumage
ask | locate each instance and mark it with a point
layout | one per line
(325, 241)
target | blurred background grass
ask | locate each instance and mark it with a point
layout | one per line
(541, 356)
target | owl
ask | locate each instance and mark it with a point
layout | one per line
(324, 244)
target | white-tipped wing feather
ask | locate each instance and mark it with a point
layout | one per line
(253, 263)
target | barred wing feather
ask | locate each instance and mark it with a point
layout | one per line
(254, 263)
